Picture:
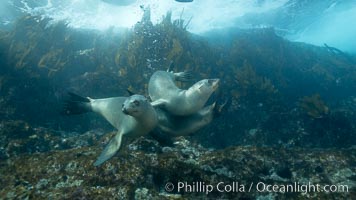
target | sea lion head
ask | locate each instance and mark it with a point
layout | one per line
(205, 86)
(135, 105)
(199, 93)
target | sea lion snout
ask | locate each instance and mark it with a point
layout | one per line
(124, 110)
(214, 82)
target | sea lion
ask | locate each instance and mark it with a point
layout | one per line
(133, 116)
(175, 125)
(165, 94)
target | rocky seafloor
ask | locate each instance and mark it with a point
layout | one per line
(39, 163)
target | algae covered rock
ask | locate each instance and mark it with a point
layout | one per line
(183, 171)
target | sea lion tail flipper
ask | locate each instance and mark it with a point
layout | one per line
(110, 149)
(76, 105)
(185, 76)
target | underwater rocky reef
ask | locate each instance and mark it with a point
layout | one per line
(292, 115)
(144, 169)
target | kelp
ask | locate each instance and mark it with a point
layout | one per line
(253, 86)
(314, 106)
(268, 78)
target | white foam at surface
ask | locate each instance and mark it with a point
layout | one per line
(333, 25)
(96, 14)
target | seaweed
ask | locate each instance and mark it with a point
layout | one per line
(264, 74)
(314, 106)
(253, 86)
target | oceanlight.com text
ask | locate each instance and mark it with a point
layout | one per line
(237, 187)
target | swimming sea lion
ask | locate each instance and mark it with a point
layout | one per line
(165, 94)
(133, 116)
(175, 125)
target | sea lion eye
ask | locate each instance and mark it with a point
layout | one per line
(137, 103)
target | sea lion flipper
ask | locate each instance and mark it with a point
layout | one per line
(222, 107)
(185, 76)
(158, 103)
(130, 91)
(76, 105)
(110, 149)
